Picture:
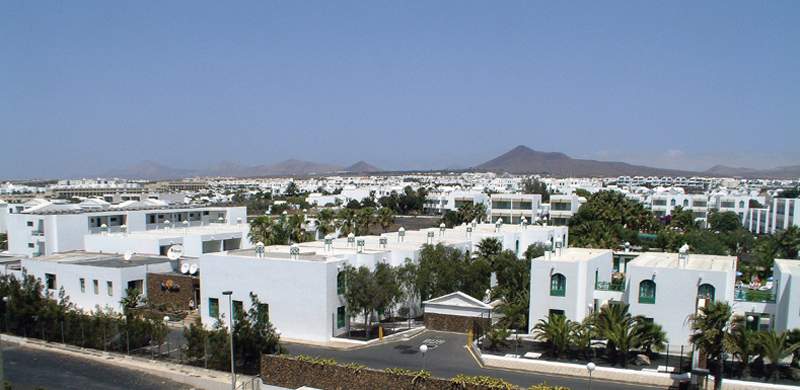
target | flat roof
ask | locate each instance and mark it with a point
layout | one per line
(218, 228)
(574, 254)
(106, 260)
(75, 208)
(277, 252)
(792, 266)
(695, 261)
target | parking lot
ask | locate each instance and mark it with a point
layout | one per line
(446, 357)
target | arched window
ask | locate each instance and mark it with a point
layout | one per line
(686, 203)
(340, 282)
(672, 202)
(647, 291)
(558, 285)
(741, 204)
(706, 291)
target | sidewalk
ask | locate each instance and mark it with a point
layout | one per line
(194, 376)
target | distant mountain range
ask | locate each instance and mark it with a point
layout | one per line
(519, 160)
(155, 171)
(786, 172)
(523, 159)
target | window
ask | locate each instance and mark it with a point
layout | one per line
(340, 283)
(50, 281)
(672, 202)
(741, 204)
(647, 291)
(83, 285)
(96, 286)
(340, 318)
(110, 288)
(213, 307)
(558, 285)
(555, 312)
(30, 245)
(29, 223)
(238, 310)
(686, 203)
(706, 291)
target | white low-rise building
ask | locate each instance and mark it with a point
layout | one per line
(48, 227)
(194, 240)
(513, 208)
(94, 280)
(563, 207)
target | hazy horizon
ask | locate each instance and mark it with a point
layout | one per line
(96, 86)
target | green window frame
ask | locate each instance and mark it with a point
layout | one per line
(340, 283)
(647, 291)
(340, 317)
(558, 285)
(213, 307)
(706, 291)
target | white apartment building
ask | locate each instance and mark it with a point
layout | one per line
(451, 200)
(785, 213)
(50, 227)
(513, 208)
(664, 202)
(94, 280)
(302, 285)
(563, 207)
(664, 287)
(194, 240)
(737, 203)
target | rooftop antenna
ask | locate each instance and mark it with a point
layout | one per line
(401, 234)
(683, 255)
(442, 227)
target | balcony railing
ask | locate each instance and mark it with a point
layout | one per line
(748, 295)
(610, 286)
(37, 233)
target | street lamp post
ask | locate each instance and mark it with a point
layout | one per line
(166, 336)
(230, 331)
(590, 367)
(423, 348)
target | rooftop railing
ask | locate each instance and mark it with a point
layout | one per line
(610, 286)
(750, 295)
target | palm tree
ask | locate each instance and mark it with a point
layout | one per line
(556, 332)
(709, 329)
(295, 226)
(385, 218)
(583, 333)
(261, 230)
(618, 327)
(651, 336)
(363, 220)
(325, 222)
(775, 347)
(346, 221)
(743, 343)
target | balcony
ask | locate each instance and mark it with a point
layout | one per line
(647, 299)
(610, 286)
(38, 233)
(750, 295)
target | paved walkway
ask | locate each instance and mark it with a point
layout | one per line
(448, 359)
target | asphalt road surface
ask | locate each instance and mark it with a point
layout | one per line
(29, 368)
(448, 359)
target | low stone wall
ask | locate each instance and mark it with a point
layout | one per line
(290, 372)
(452, 323)
(171, 289)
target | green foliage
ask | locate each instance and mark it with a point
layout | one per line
(3, 241)
(607, 219)
(489, 382)
(534, 186)
(533, 251)
(743, 343)
(385, 218)
(790, 193)
(496, 337)
(442, 270)
(407, 202)
(316, 360)
(556, 332)
(774, 348)
(369, 291)
(708, 334)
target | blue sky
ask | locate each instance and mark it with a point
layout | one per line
(86, 86)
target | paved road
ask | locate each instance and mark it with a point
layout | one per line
(447, 360)
(31, 369)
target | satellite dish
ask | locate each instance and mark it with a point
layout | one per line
(185, 268)
(193, 269)
(128, 255)
(175, 252)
